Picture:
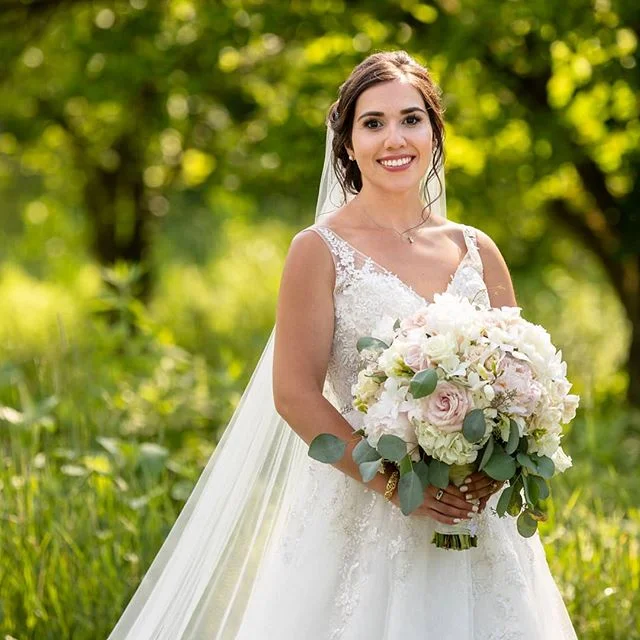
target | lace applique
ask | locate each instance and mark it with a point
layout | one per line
(365, 291)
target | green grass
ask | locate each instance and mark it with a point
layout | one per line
(103, 435)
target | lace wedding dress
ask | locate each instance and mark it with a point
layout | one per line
(344, 564)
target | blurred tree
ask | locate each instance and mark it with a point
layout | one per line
(135, 112)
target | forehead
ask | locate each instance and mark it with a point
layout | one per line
(389, 97)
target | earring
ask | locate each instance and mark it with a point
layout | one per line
(351, 157)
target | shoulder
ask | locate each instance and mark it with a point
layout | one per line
(496, 272)
(309, 258)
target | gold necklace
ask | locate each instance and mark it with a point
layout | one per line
(400, 234)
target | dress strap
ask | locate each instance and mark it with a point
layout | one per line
(344, 258)
(471, 240)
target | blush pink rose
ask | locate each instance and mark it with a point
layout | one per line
(415, 359)
(414, 321)
(514, 377)
(447, 407)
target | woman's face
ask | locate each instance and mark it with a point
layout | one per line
(392, 136)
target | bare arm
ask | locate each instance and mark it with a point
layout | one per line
(496, 273)
(304, 334)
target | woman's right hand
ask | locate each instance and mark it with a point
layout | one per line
(450, 509)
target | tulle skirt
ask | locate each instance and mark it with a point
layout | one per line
(345, 564)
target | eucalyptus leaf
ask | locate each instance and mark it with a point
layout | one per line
(500, 466)
(545, 465)
(527, 462)
(487, 452)
(543, 487)
(368, 342)
(423, 383)
(392, 447)
(503, 501)
(515, 504)
(364, 452)
(369, 469)
(531, 492)
(396, 324)
(422, 469)
(474, 425)
(327, 448)
(405, 465)
(411, 492)
(439, 474)
(527, 526)
(514, 437)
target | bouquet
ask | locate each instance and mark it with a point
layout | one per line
(453, 389)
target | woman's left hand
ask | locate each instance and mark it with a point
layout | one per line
(480, 487)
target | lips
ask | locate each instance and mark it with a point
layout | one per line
(396, 167)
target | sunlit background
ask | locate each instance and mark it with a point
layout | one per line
(156, 157)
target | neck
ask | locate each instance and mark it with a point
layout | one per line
(397, 210)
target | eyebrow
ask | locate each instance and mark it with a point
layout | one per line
(402, 111)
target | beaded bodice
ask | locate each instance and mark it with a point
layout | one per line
(365, 291)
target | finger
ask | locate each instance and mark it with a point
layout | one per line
(449, 497)
(482, 490)
(465, 512)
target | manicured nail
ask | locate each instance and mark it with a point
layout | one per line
(464, 488)
(469, 497)
(468, 479)
(470, 514)
(475, 507)
(456, 520)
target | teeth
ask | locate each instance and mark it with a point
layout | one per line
(396, 163)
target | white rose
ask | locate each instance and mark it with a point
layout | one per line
(561, 460)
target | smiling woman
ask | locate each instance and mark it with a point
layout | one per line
(273, 544)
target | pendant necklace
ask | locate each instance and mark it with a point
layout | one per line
(400, 234)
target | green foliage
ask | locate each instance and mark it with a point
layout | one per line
(193, 129)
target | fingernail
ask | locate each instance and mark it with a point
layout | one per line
(470, 514)
(475, 507)
(469, 497)
(468, 479)
(456, 520)
(464, 488)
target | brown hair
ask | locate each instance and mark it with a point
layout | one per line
(382, 67)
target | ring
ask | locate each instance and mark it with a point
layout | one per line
(439, 494)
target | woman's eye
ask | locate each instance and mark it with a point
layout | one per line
(411, 120)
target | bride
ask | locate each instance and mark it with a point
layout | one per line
(275, 545)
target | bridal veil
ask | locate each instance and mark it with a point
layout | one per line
(200, 581)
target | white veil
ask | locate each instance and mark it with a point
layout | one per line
(199, 583)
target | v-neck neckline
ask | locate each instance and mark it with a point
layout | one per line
(395, 276)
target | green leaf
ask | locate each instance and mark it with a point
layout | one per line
(523, 445)
(474, 425)
(411, 492)
(439, 474)
(368, 342)
(364, 452)
(503, 501)
(543, 487)
(500, 466)
(531, 492)
(405, 465)
(422, 469)
(527, 526)
(527, 462)
(487, 452)
(369, 469)
(327, 448)
(396, 324)
(392, 447)
(514, 437)
(545, 465)
(515, 504)
(423, 383)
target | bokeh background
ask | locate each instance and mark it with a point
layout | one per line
(157, 156)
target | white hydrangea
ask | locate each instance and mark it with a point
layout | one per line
(451, 448)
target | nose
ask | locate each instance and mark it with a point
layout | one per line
(394, 137)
